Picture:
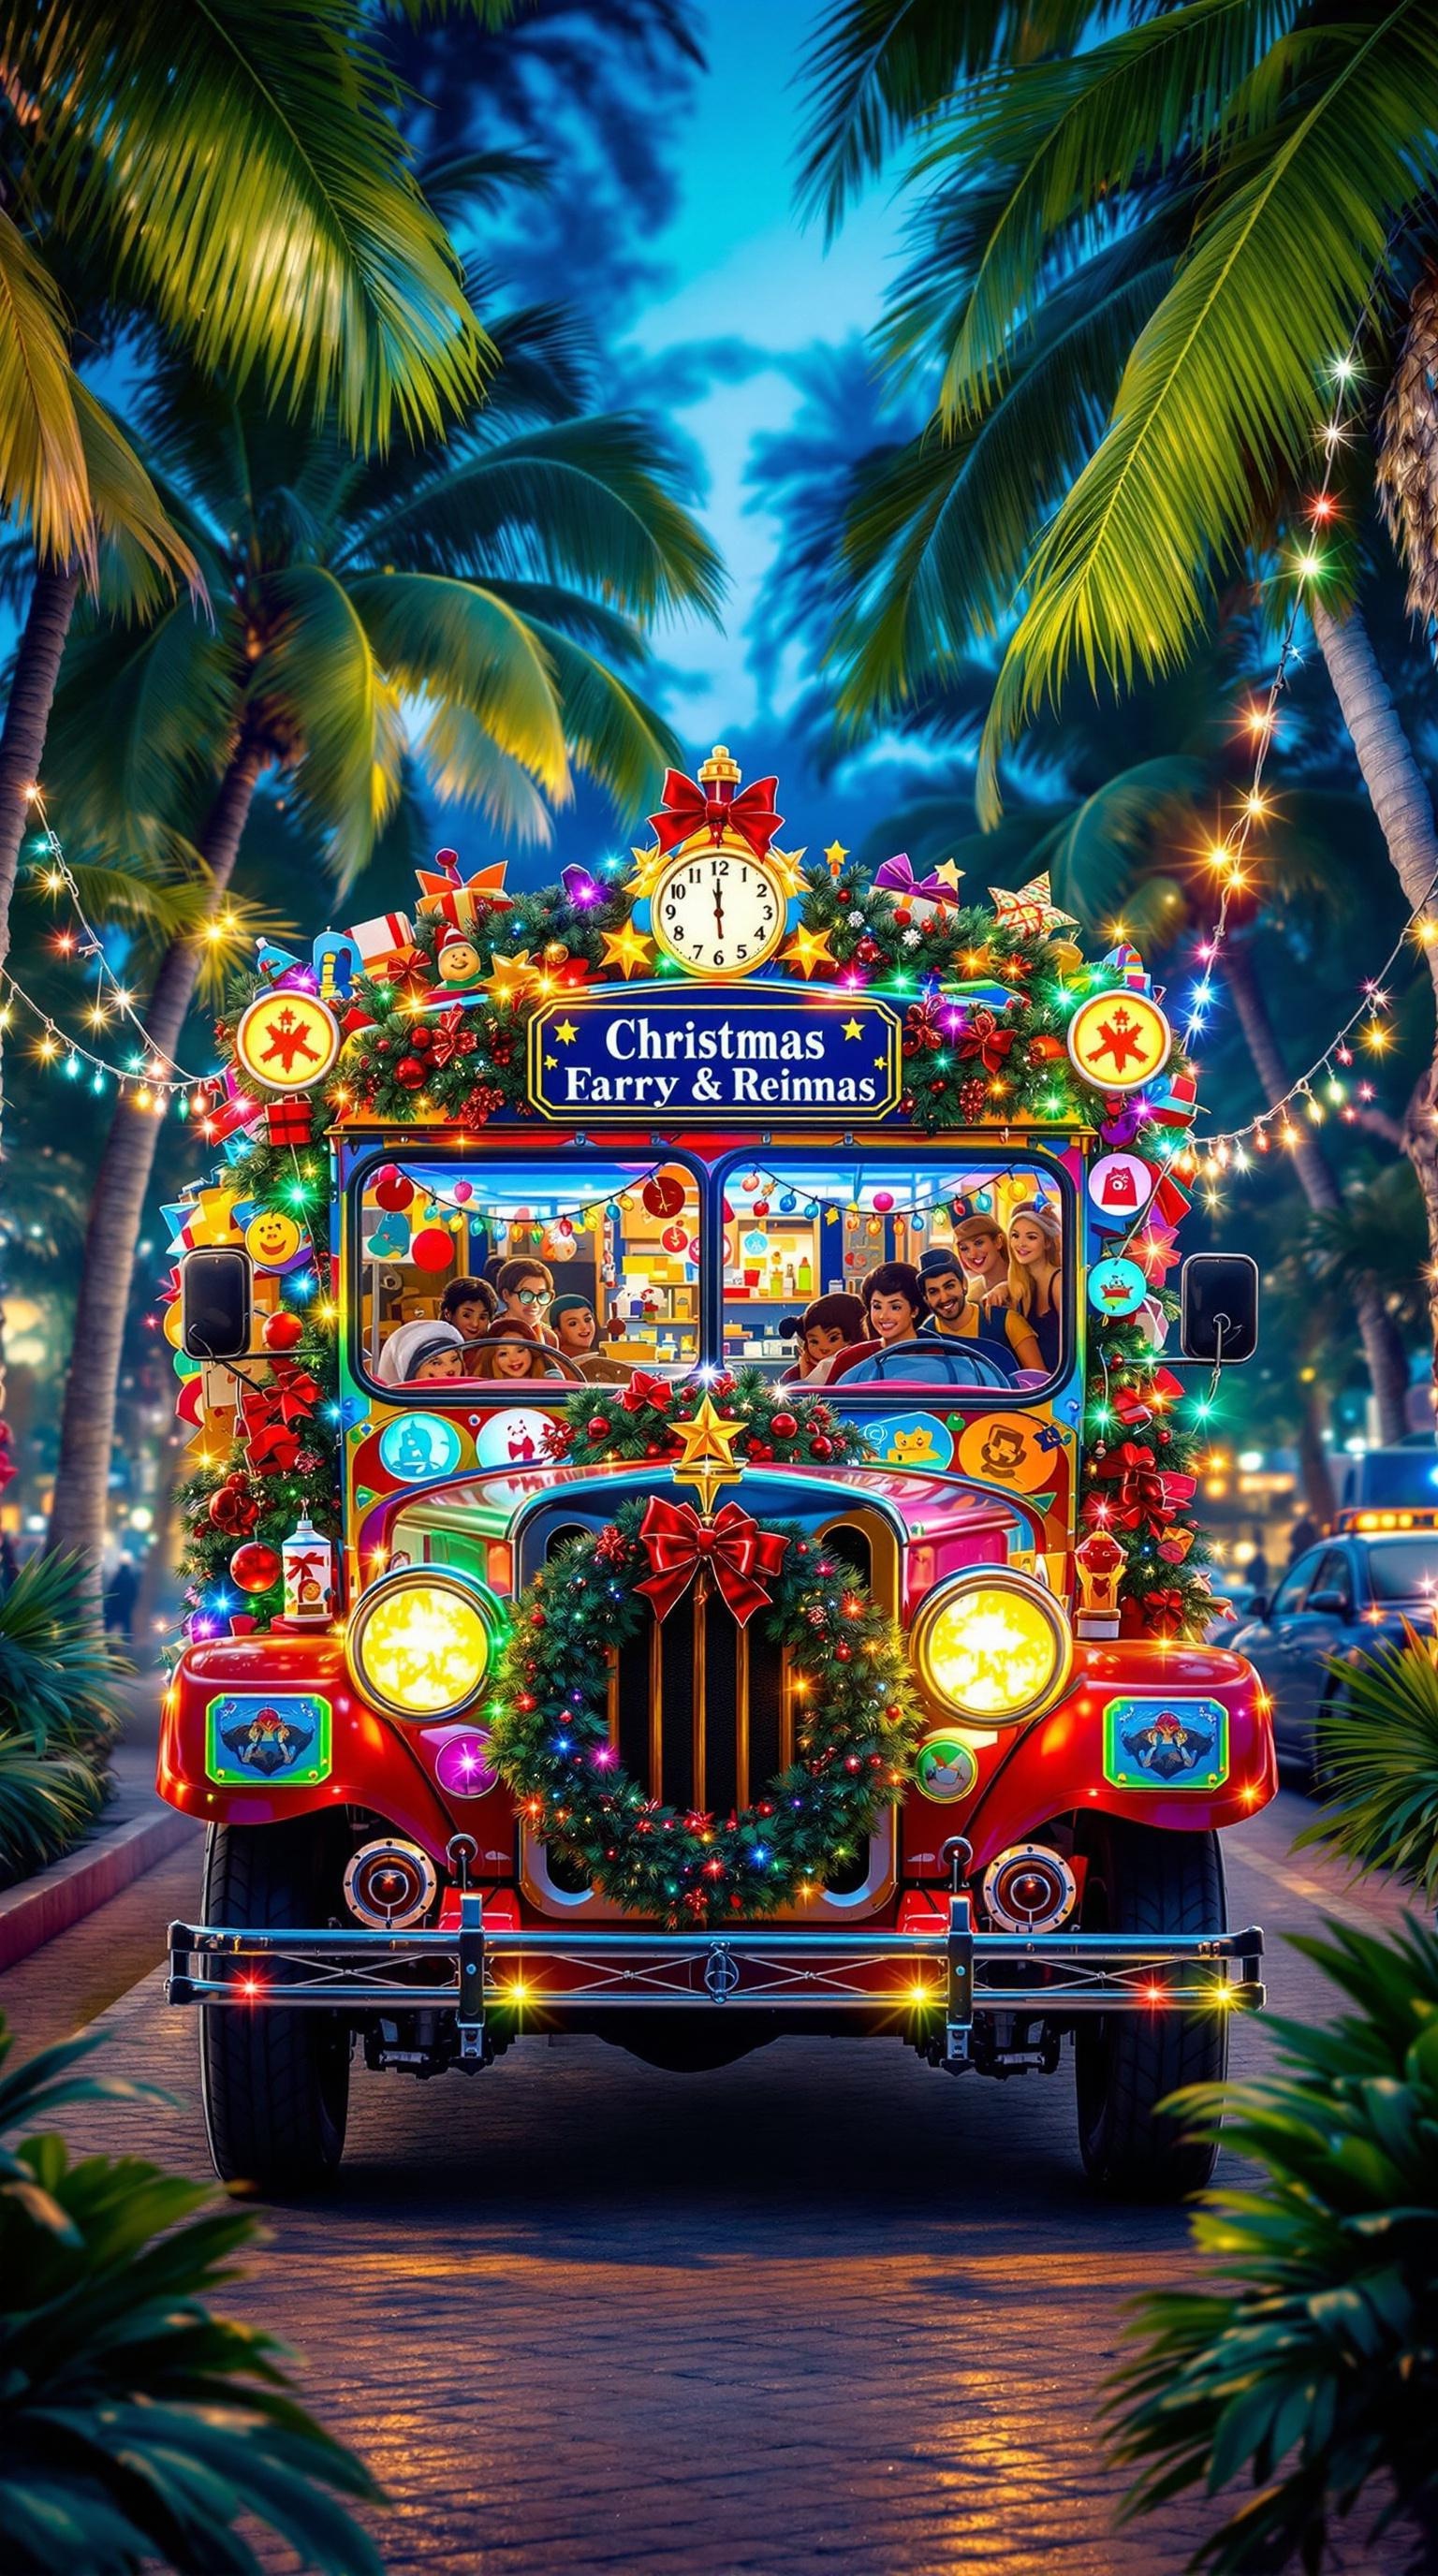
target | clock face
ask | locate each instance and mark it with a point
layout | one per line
(718, 913)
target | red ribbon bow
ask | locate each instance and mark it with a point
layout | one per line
(684, 808)
(1163, 1612)
(451, 1037)
(742, 1558)
(1143, 1491)
(644, 1389)
(983, 1037)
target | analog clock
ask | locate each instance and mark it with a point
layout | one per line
(718, 912)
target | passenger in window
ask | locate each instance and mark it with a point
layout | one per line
(945, 1292)
(572, 1322)
(426, 1352)
(894, 1305)
(508, 1351)
(1035, 1274)
(470, 1305)
(526, 1292)
(827, 1326)
(982, 1248)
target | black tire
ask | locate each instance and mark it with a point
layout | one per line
(275, 2085)
(1141, 1879)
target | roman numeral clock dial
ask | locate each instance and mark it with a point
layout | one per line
(716, 912)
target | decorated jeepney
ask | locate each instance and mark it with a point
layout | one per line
(690, 1528)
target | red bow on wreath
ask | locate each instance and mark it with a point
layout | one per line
(1144, 1492)
(451, 1037)
(644, 1389)
(685, 808)
(743, 1558)
(923, 1030)
(268, 1414)
(983, 1037)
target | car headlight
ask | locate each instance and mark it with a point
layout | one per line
(992, 1646)
(420, 1642)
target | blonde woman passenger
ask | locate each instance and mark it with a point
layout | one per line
(1036, 1274)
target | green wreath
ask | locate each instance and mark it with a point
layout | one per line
(550, 1734)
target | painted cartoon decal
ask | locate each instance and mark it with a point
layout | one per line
(1165, 1744)
(267, 1736)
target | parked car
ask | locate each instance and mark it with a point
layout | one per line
(1346, 1595)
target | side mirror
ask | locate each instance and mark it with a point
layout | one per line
(1218, 1294)
(216, 1302)
(1333, 1603)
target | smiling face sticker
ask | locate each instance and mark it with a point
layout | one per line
(274, 1241)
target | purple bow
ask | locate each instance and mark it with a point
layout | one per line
(897, 877)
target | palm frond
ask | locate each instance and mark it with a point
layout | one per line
(1378, 1742)
(443, 638)
(1076, 132)
(613, 736)
(177, 130)
(1093, 853)
(59, 1675)
(43, 476)
(46, 1802)
(143, 553)
(877, 68)
(168, 689)
(320, 684)
(1221, 381)
(583, 501)
(465, 767)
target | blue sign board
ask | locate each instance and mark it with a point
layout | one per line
(715, 1056)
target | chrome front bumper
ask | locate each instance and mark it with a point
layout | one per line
(951, 1974)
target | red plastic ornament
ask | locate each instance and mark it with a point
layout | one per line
(432, 1248)
(282, 1331)
(393, 1189)
(761, 1207)
(783, 1425)
(823, 1447)
(255, 1567)
(410, 1072)
(599, 1426)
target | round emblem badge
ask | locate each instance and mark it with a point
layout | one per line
(1010, 1449)
(274, 1241)
(416, 1445)
(287, 1041)
(1119, 1041)
(944, 1769)
(1116, 1287)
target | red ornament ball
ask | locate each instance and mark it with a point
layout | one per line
(843, 1652)
(282, 1331)
(761, 1207)
(432, 1248)
(599, 1426)
(410, 1072)
(393, 1190)
(663, 1195)
(823, 1447)
(784, 1425)
(255, 1567)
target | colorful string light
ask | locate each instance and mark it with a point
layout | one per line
(57, 876)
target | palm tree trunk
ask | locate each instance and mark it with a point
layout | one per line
(1382, 1342)
(1315, 1476)
(1399, 796)
(27, 719)
(117, 1208)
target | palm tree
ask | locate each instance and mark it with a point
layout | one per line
(467, 613)
(235, 174)
(1272, 158)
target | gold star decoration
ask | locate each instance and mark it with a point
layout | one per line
(647, 864)
(627, 950)
(836, 854)
(782, 865)
(853, 1028)
(949, 875)
(807, 950)
(707, 1457)
(566, 1033)
(511, 978)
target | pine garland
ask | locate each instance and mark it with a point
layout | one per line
(550, 1736)
(610, 1424)
(1134, 1438)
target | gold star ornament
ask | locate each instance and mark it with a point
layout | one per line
(807, 951)
(627, 950)
(511, 979)
(707, 1458)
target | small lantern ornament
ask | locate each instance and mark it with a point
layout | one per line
(309, 1569)
(1098, 1562)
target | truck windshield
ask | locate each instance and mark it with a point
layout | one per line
(891, 1271)
(537, 1270)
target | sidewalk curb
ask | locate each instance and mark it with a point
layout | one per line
(34, 1912)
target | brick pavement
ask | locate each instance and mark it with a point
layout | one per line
(824, 2310)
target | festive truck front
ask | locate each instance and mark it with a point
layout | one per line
(691, 1524)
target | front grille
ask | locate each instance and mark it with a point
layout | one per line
(699, 1708)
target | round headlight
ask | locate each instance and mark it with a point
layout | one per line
(992, 1646)
(420, 1642)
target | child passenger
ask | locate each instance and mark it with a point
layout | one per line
(507, 1351)
(825, 1328)
(470, 1305)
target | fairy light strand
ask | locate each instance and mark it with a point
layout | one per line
(58, 876)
